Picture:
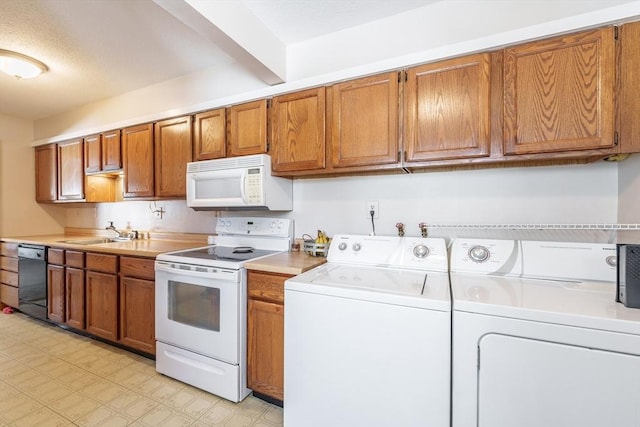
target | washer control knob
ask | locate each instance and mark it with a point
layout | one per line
(421, 251)
(342, 246)
(479, 254)
(356, 246)
(612, 260)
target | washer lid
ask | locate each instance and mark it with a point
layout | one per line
(588, 304)
(381, 284)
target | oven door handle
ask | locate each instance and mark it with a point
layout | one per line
(218, 274)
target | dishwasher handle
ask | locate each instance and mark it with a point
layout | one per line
(31, 252)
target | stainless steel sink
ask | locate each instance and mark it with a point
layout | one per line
(88, 241)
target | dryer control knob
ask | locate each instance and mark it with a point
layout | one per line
(356, 247)
(421, 251)
(342, 246)
(479, 254)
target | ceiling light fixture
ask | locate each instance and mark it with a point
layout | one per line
(20, 66)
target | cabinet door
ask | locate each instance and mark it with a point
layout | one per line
(628, 102)
(247, 128)
(364, 121)
(71, 170)
(55, 293)
(447, 109)
(93, 153)
(265, 357)
(172, 140)
(137, 159)
(298, 131)
(558, 93)
(75, 297)
(137, 314)
(209, 134)
(102, 305)
(46, 173)
(111, 156)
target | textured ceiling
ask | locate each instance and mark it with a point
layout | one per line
(96, 49)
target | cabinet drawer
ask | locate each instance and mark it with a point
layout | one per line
(137, 267)
(102, 262)
(266, 286)
(9, 249)
(55, 256)
(74, 259)
(9, 295)
(9, 278)
(10, 264)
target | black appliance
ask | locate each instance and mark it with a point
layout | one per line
(32, 277)
(628, 275)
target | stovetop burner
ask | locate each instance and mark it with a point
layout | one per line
(225, 253)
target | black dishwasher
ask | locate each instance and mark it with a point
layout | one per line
(32, 280)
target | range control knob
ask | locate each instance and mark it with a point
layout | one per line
(479, 254)
(342, 246)
(356, 246)
(421, 251)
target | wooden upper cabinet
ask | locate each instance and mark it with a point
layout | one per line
(71, 170)
(137, 161)
(93, 153)
(209, 135)
(628, 112)
(447, 109)
(247, 128)
(559, 93)
(364, 121)
(173, 150)
(298, 131)
(46, 161)
(111, 152)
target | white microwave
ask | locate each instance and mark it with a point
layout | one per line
(237, 183)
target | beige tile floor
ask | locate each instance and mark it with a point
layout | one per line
(53, 377)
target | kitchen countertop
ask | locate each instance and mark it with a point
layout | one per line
(286, 263)
(141, 247)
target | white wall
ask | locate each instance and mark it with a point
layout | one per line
(19, 213)
(629, 196)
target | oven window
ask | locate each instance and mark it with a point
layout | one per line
(194, 305)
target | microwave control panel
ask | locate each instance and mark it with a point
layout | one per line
(253, 186)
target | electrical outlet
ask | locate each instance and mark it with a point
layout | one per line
(373, 206)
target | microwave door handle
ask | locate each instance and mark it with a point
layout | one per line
(243, 187)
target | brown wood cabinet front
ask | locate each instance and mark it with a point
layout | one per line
(628, 101)
(75, 297)
(46, 161)
(173, 150)
(247, 128)
(447, 109)
(298, 131)
(137, 314)
(138, 161)
(9, 274)
(93, 153)
(210, 135)
(102, 304)
(56, 309)
(364, 119)
(71, 170)
(111, 151)
(265, 333)
(559, 93)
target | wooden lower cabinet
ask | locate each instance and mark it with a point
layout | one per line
(102, 304)
(75, 297)
(265, 333)
(137, 314)
(8, 274)
(56, 293)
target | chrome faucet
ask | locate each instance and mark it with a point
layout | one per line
(111, 227)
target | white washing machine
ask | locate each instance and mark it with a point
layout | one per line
(538, 339)
(368, 336)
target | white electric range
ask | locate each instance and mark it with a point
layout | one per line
(367, 336)
(538, 338)
(201, 304)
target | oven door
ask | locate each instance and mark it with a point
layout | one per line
(198, 309)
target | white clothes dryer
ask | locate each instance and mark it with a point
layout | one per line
(538, 338)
